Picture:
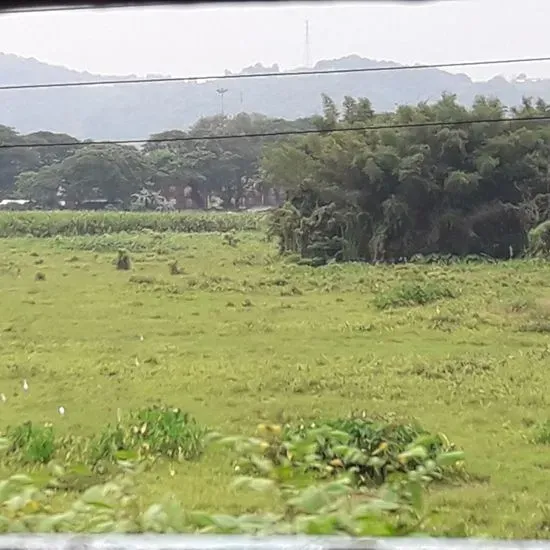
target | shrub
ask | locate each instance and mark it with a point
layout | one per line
(369, 450)
(312, 507)
(380, 444)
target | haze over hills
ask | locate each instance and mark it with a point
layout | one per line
(134, 111)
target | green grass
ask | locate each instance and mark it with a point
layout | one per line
(239, 336)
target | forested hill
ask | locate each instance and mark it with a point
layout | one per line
(134, 111)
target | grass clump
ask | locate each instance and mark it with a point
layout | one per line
(31, 443)
(123, 261)
(542, 433)
(169, 432)
(174, 268)
(412, 294)
(144, 280)
(154, 431)
(230, 239)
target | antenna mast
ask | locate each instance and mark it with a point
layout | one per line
(307, 50)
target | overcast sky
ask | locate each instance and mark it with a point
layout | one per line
(199, 41)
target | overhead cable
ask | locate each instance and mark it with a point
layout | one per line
(275, 74)
(282, 133)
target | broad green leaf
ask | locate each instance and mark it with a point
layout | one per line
(254, 484)
(415, 452)
(415, 491)
(450, 458)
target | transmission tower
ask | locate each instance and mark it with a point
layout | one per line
(307, 54)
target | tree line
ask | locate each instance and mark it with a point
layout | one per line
(159, 175)
(476, 187)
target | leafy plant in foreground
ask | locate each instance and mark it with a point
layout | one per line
(306, 506)
(337, 506)
(367, 449)
(385, 441)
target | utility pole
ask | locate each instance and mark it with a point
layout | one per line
(221, 92)
(307, 47)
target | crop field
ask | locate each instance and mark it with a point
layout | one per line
(222, 327)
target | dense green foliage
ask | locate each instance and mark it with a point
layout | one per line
(476, 188)
(309, 501)
(460, 187)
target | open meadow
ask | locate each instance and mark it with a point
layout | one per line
(222, 327)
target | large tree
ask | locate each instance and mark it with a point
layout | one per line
(110, 172)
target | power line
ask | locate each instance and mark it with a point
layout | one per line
(319, 72)
(41, 9)
(545, 118)
(143, 4)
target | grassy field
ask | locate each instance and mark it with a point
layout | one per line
(241, 336)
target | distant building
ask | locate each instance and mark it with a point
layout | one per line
(19, 204)
(98, 204)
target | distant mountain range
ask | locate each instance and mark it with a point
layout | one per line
(133, 111)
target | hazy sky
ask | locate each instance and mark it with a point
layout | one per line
(199, 41)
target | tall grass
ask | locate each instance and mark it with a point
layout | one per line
(66, 223)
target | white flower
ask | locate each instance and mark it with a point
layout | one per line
(25, 385)
(61, 410)
(2, 397)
